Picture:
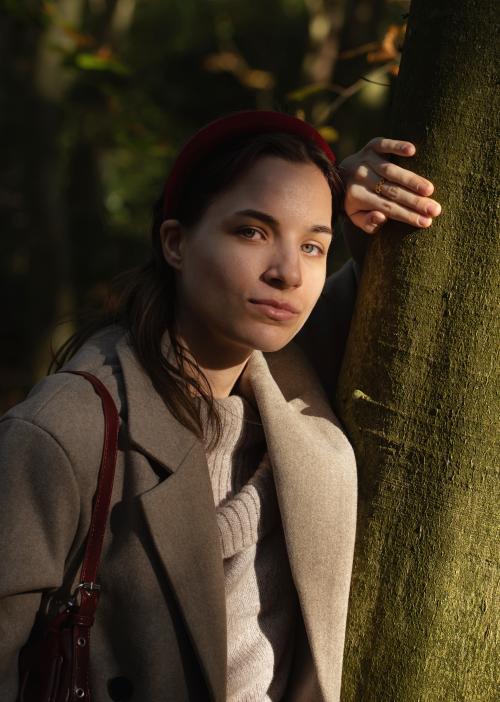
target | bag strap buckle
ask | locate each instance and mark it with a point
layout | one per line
(87, 586)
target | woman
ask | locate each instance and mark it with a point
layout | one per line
(227, 557)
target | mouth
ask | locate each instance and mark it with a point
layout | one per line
(279, 311)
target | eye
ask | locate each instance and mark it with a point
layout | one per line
(249, 232)
(313, 249)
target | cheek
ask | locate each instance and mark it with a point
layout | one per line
(216, 271)
(313, 286)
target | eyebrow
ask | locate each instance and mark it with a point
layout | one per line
(269, 219)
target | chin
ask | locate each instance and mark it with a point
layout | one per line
(270, 339)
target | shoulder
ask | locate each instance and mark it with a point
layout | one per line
(62, 415)
(57, 395)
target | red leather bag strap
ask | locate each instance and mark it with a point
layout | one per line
(88, 587)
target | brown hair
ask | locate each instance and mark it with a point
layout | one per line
(146, 308)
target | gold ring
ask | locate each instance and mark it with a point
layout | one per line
(378, 187)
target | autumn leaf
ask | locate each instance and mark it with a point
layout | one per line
(104, 52)
(329, 134)
(49, 9)
(258, 80)
(359, 50)
(79, 39)
(232, 62)
(390, 46)
(385, 50)
(224, 61)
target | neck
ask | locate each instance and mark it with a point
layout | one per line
(221, 364)
(222, 382)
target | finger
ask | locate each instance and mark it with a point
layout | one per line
(391, 209)
(423, 205)
(389, 191)
(402, 176)
(369, 222)
(383, 145)
(391, 172)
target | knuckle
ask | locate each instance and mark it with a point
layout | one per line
(386, 206)
(387, 170)
(362, 171)
(420, 204)
(391, 192)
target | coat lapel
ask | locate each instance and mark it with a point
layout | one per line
(180, 515)
(315, 477)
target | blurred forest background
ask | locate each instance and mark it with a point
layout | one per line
(98, 95)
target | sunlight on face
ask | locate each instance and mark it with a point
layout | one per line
(254, 266)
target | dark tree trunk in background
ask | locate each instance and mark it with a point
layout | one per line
(325, 21)
(50, 276)
(18, 45)
(417, 392)
(36, 264)
(361, 27)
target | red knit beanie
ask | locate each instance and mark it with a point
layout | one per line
(210, 137)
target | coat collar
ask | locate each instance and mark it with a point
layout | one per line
(151, 426)
(315, 477)
(180, 515)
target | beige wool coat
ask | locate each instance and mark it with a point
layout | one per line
(160, 631)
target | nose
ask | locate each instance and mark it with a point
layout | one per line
(284, 269)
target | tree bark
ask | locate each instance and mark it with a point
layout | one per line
(416, 392)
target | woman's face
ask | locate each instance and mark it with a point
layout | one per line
(251, 270)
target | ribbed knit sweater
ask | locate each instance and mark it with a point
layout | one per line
(260, 598)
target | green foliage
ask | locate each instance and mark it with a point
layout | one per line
(29, 11)
(93, 62)
(98, 104)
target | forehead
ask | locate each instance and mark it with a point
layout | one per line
(276, 185)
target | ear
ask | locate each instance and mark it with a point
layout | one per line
(172, 242)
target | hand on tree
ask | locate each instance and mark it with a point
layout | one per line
(378, 190)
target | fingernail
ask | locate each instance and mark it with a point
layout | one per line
(433, 210)
(424, 221)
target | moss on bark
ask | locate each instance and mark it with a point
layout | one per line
(417, 392)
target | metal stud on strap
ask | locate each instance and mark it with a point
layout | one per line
(87, 586)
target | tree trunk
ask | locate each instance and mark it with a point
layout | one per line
(416, 392)
(51, 288)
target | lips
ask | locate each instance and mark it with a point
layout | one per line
(275, 310)
(276, 303)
